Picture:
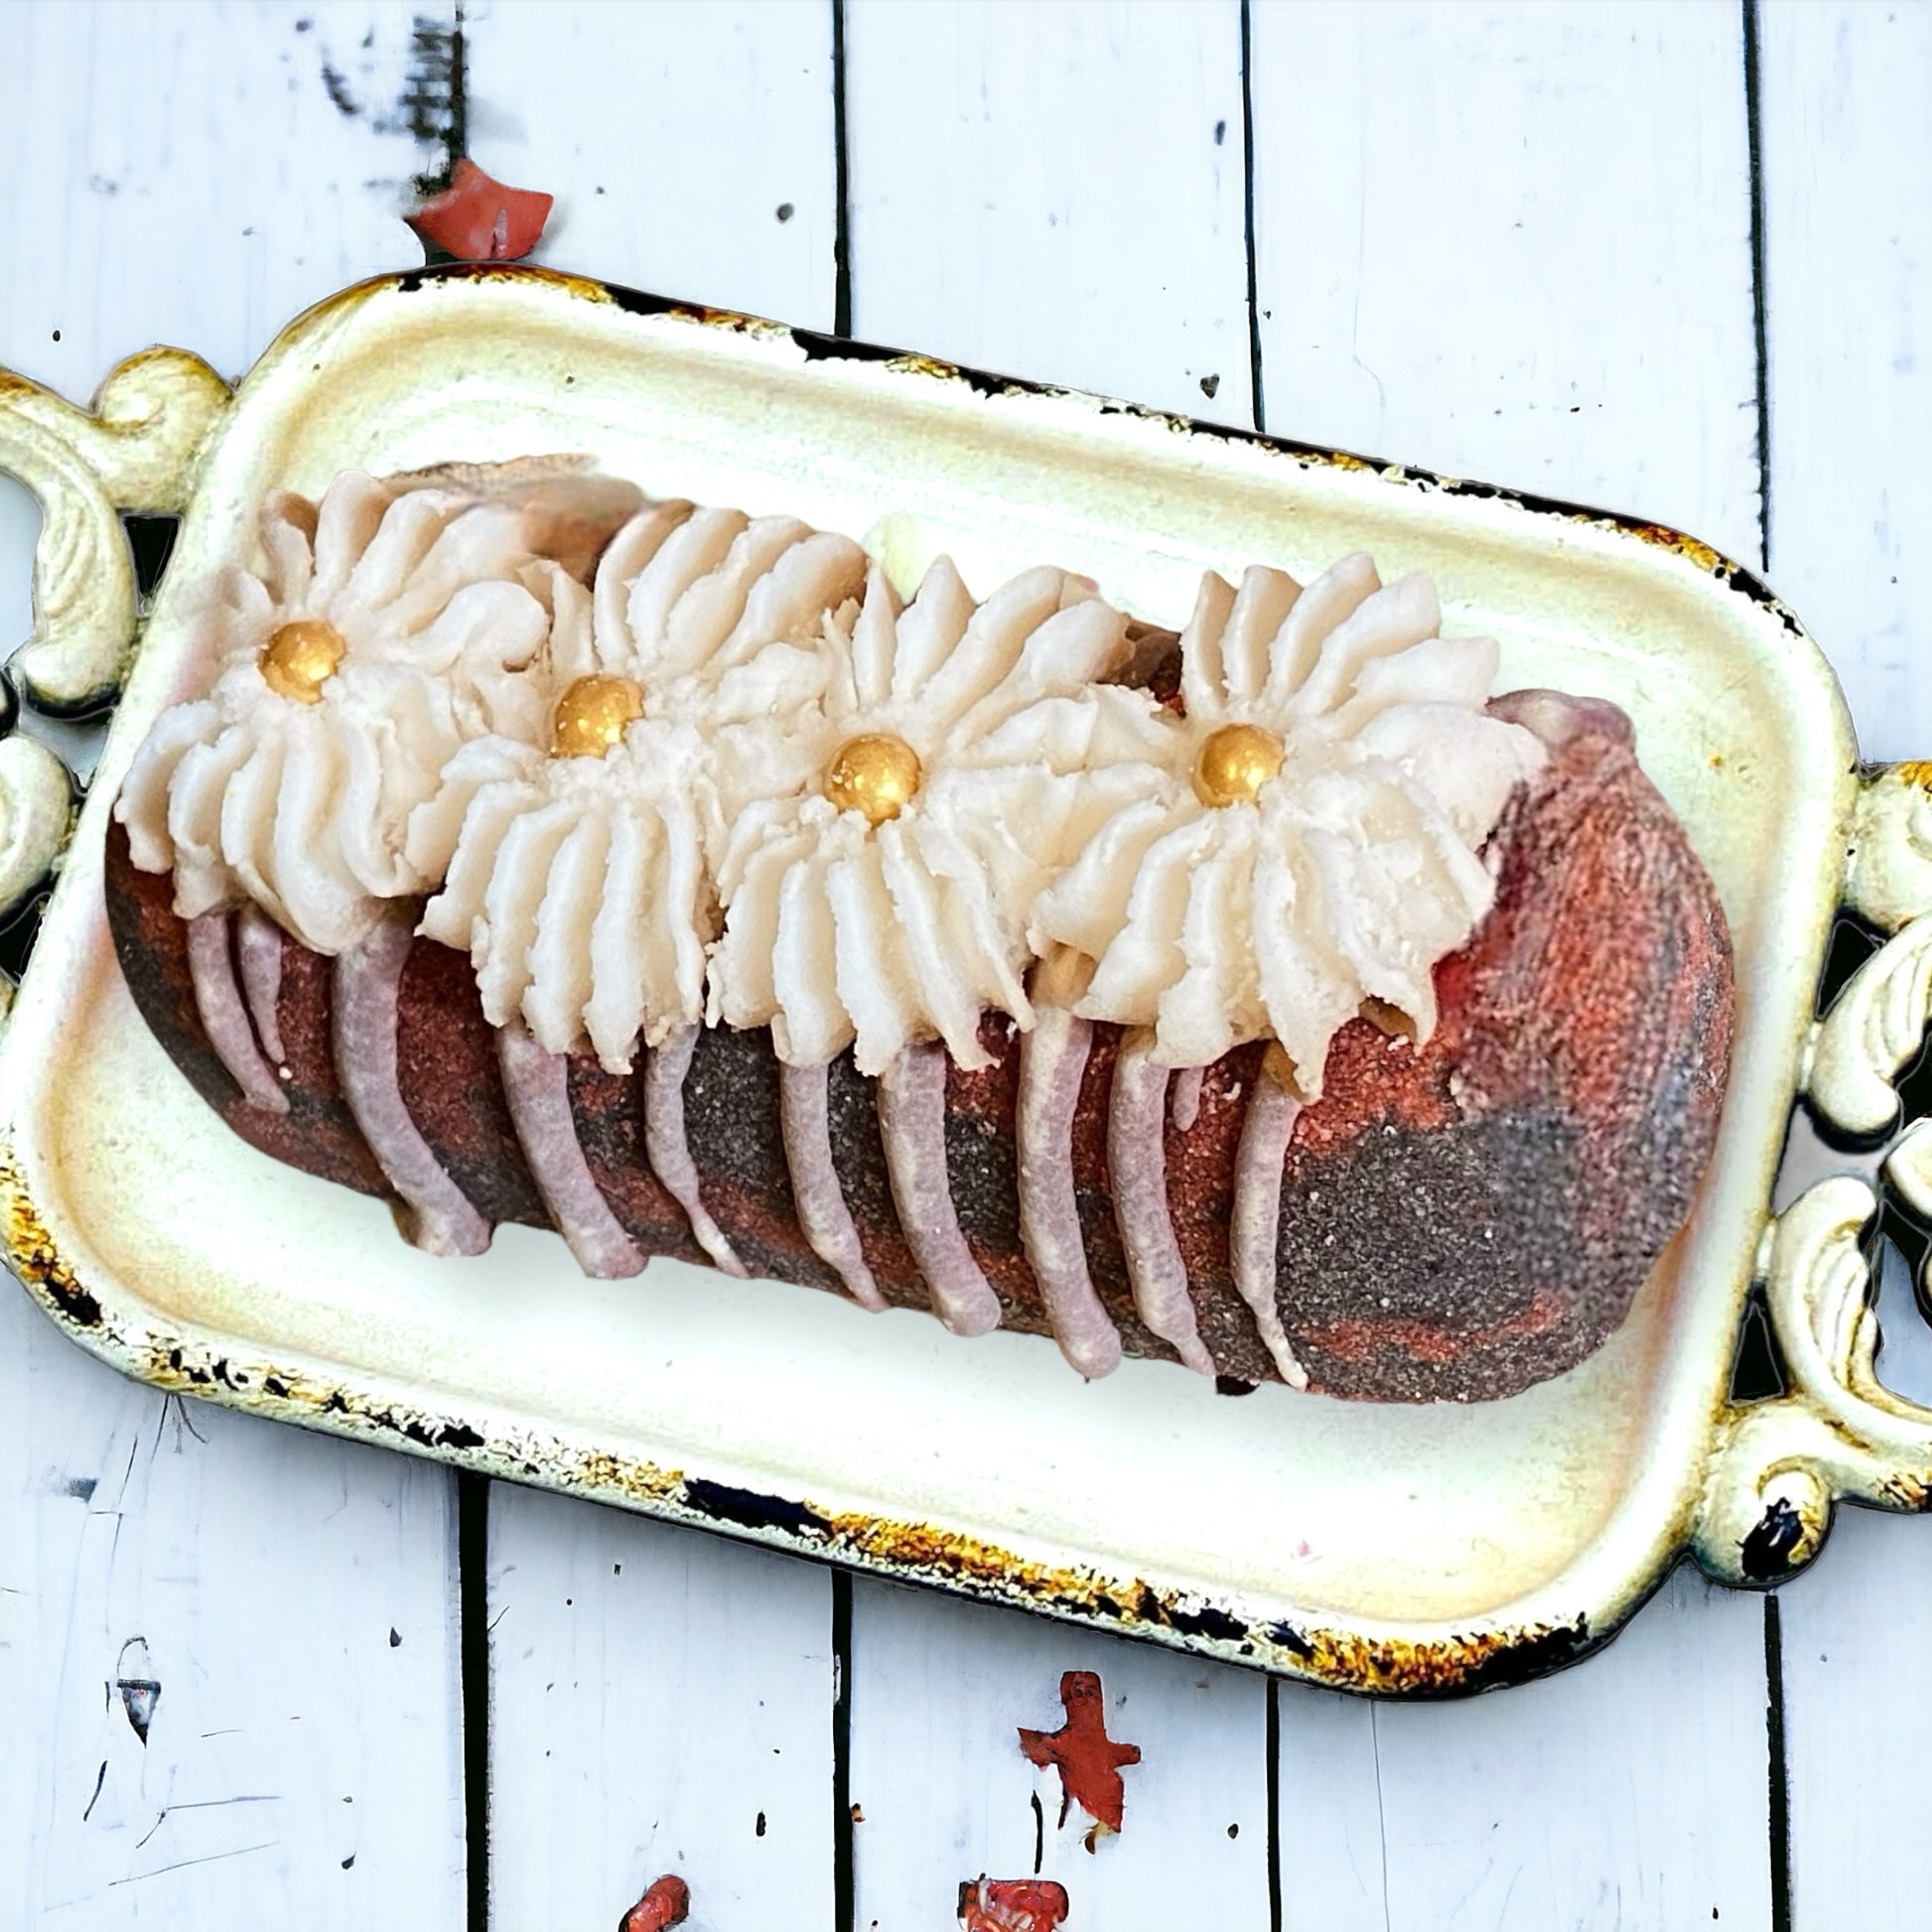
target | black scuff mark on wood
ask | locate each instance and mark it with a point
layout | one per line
(336, 86)
(183, 1421)
(434, 106)
(182, 1865)
(139, 1690)
(395, 1638)
(101, 1778)
(348, 1864)
(1039, 1834)
(80, 1488)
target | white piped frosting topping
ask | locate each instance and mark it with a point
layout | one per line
(1307, 840)
(854, 821)
(884, 928)
(433, 602)
(580, 885)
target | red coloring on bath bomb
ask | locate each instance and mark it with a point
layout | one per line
(477, 220)
(1012, 1906)
(1089, 1761)
(668, 1902)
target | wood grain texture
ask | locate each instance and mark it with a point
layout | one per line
(692, 153)
(1512, 242)
(292, 1598)
(1505, 241)
(1040, 190)
(1578, 1801)
(660, 1701)
(199, 176)
(942, 1792)
(185, 174)
(1449, 274)
(1847, 170)
(1054, 191)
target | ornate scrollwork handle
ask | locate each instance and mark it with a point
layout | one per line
(1836, 1433)
(134, 451)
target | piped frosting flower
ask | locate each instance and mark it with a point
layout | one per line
(392, 621)
(575, 857)
(959, 756)
(1310, 839)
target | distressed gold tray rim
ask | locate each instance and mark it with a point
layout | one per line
(1752, 1505)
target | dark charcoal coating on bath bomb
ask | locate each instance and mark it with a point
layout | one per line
(735, 1134)
(609, 1109)
(1459, 1220)
(858, 1161)
(453, 1084)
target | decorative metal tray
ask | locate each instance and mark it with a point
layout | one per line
(1376, 1548)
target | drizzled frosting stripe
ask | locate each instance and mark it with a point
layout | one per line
(366, 987)
(669, 1147)
(536, 1086)
(1136, 1172)
(817, 1196)
(225, 1012)
(912, 1125)
(1052, 1060)
(1256, 1223)
(259, 953)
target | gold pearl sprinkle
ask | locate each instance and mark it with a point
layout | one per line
(301, 657)
(593, 715)
(876, 774)
(1234, 764)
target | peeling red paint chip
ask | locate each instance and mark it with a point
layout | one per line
(477, 220)
(1089, 1761)
(666, 1903)
(1012, 1906)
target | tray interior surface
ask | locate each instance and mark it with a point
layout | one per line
(1563, 1501)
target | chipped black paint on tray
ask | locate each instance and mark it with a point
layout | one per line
(1206, 1621)
(752, 1510)
(1765, 1554)
(1527, 1658)
(818, 346)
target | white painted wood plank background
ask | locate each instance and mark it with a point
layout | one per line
(1054, 191)
(1483, 295)
(662, 1700)
(695, 143)
(1000, 217)
(1514, 243)
(177, 175)
(1848, 247)
(1501, 240)
(939, 1691)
